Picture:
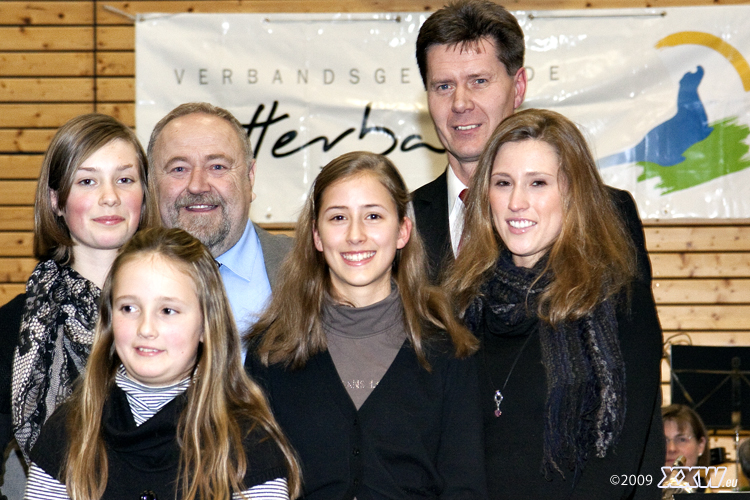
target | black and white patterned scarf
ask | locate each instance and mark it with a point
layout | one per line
(57, 330)
(585, 372)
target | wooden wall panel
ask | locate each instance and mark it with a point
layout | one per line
(700, 265)
(41, 64)
(709, 238)
(27, 140)
(46, 89)
(16, 166)
(50, 13)
(46, 38)
(16, 244)
(15, 218)
(17, 192)
(16, 270)
(116, 89)
(38, 115)
(703, 291)
(115, 63)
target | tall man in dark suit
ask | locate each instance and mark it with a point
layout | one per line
(470, 55)
(204, 170)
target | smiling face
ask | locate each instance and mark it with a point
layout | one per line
(358, 231)
(157, 320)
(526, 199)
(469, 92)
(205, 185)
(103, 208)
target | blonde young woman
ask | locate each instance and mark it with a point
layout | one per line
(93, 194)
(570, 350)
(364, 364)
(165, 410)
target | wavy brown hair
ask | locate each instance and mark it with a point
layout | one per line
(591, 260)
(290, 330)
(221, 397)
(72, 145)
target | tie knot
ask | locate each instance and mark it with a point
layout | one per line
(463, 194)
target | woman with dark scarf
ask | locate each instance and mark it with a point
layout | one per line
(91, 198)
(570, 348)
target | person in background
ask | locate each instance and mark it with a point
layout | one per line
(165, 409)
(569, 361)
(470, 55)
(743, 455)
(686, 437)
(92, 196)
(204, 170)
(365, 366)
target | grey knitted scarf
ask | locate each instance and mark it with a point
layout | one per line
(585, 373)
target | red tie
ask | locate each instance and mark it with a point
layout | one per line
(462, 195)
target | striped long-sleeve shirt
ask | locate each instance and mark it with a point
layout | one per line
(144, 402)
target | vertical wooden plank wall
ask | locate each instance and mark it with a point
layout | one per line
(59, 59)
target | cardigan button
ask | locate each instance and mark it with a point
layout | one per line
(355, 452)
(148, 495)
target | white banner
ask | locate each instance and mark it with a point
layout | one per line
(662, 95)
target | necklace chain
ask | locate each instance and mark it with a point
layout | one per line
(498, 397)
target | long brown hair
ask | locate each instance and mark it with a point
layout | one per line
(72, 145)
(220, 398)
(592, 259)
(290, 330)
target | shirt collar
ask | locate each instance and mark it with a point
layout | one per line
(455, 186)
(236, 258)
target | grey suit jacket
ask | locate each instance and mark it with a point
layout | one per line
(275, 248)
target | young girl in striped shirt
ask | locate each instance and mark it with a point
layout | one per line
(165, 409)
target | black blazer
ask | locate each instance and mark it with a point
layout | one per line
(431, 211)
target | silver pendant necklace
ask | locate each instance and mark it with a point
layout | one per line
(498, 398)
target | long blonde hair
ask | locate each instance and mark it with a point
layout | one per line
(290, 330)
(592, 259)
(220, 398)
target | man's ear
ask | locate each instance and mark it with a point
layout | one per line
(251, 178)
(520, 81)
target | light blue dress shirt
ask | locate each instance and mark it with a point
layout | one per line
(243, 271)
